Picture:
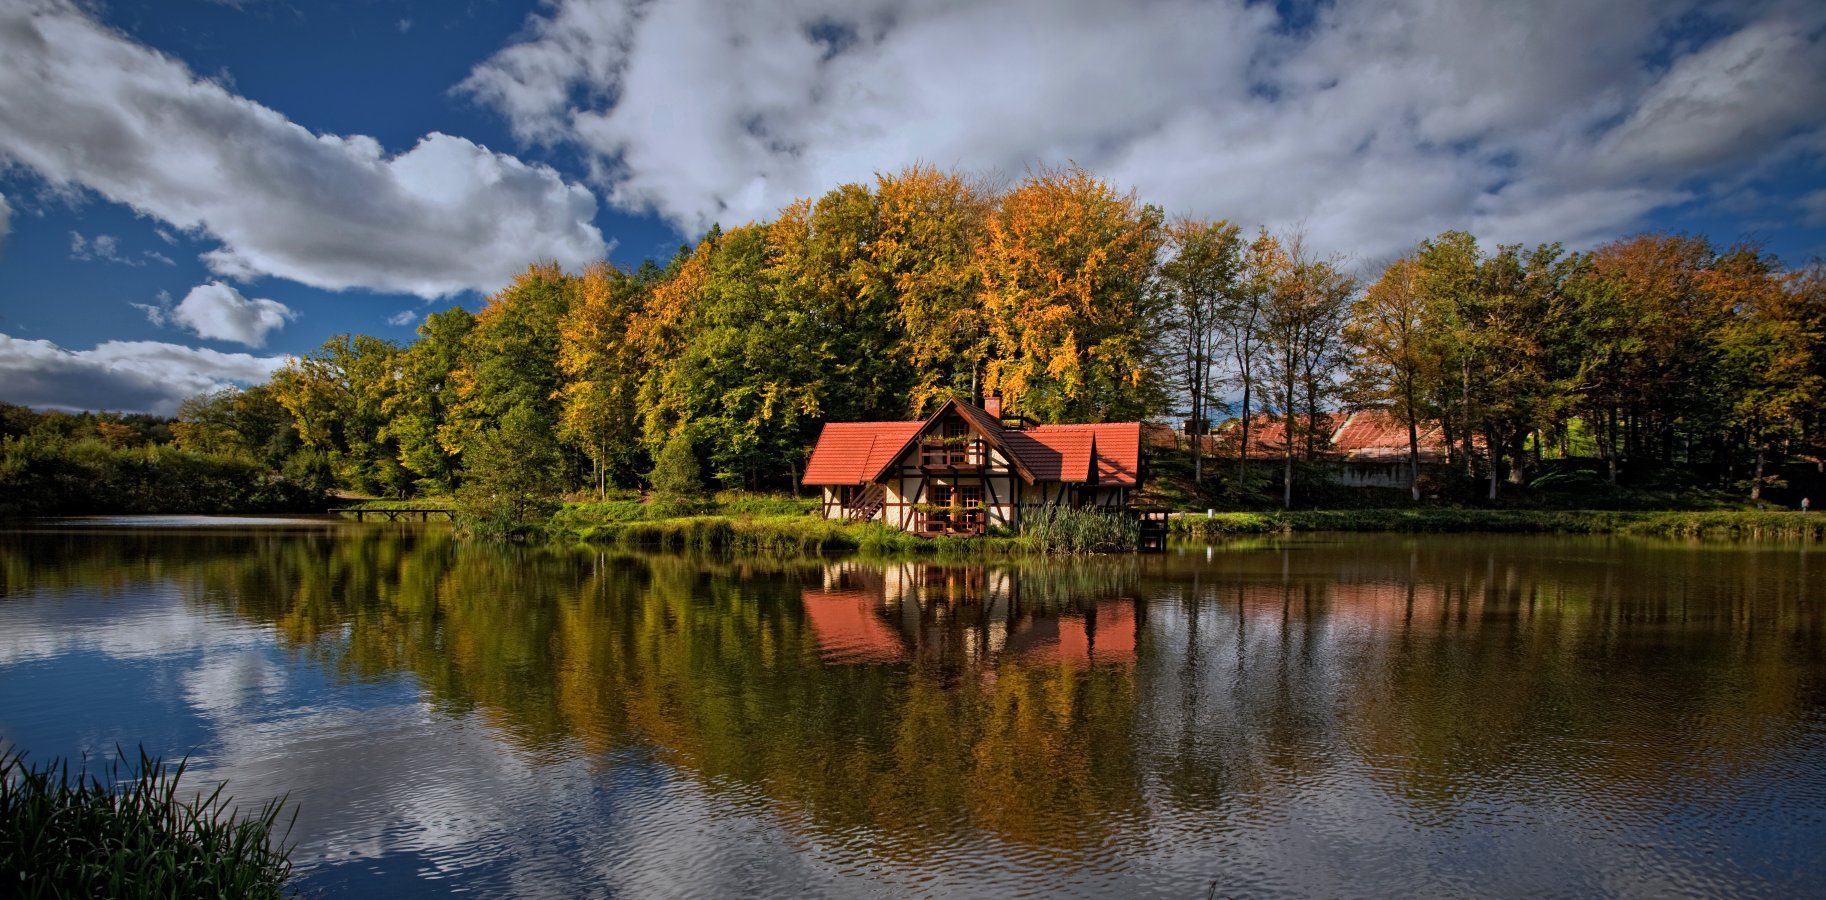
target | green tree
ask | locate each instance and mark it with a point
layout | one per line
(509, 359)
(422, 403)
(513, 473)
(337, 396)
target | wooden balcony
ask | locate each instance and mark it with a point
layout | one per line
(952, 457)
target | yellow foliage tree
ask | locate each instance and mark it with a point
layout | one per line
(1067, 290)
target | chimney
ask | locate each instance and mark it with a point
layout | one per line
(992, 404)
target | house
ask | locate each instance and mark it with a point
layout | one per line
(1366, 448)
(967, 469)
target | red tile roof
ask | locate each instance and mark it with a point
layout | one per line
(852, 452)
(859, 452)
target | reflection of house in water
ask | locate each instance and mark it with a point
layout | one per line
(964, 616)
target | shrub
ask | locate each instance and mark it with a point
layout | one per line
(130, 832)
(675, 473)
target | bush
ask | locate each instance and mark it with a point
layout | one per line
(675, 473)
(129, 832)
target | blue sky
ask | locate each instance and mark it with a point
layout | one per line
(192, 190)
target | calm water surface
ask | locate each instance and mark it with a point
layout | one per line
(1337, 716)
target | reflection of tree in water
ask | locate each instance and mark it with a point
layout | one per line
(1051, 705)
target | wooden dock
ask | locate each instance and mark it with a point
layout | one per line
(424, 514)
(1153, 537)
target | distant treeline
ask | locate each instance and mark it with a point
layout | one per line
(1077, 302)
(57, 463)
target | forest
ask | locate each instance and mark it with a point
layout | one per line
(1654, 357)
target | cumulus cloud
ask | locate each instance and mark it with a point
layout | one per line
(402, 318)
(128, 376)
(219, 312)
(6, 219)
(1371, 125)
(84, 105)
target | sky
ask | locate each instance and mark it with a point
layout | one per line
(192, 191)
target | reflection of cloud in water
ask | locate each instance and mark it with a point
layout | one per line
(151, 623)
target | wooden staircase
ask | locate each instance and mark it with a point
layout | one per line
(873, 498)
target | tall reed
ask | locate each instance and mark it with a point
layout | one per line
(130, 831)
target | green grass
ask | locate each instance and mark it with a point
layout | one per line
(131, 831)
(1716, 525)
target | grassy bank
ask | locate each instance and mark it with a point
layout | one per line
(761, 534)
(1715, 525)
(775, 525)
(130, 831)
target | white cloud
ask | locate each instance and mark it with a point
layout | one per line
(402, 318)
(219, 312)
(128, 376)
(1372, 126)
(6, 219)
(83, 105)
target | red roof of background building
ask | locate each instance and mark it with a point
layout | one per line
(1368, 434)
(859, 452)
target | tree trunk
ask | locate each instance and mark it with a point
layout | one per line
(1607, 442)
(1494, 445)
(1756, 480)
(1287, 480)
(1242, 451)
(1413, 444)
(1518, 457)
(1287, 439)
(1464, 407)
(1198, 445)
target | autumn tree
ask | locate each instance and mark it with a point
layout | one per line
(1068, 272)
(930, 225)
(1396, 363)
(1305, 311)
(1766, 348)
(1200, 282)
(602, 369)
(1649, 325)
(1240, 321)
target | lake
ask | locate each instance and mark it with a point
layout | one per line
(1361, 715)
